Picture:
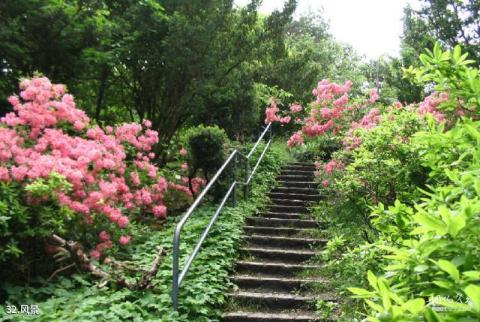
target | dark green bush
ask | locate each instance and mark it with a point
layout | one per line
(207, 151)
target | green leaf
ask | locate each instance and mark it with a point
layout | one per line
(450, 268)
(361, 292)
(372, 279)
(457, 52)
(431, 223)
(414, 306)
(473, 293)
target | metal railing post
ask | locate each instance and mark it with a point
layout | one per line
(234, 192)
(246, 174)
(176, 255)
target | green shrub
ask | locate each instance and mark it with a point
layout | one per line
(207, 148)
(430, 270)
(25, 227)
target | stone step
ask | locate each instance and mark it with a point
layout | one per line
(289, 202)
(281, 215)
(277, 284)
(276, 254)
(277, 222)
(295, 196)
(295, 177)
(296, 190)
(289, 209)
(276, 231)
(307, 164)
(295, 316)
(297, 172)
(281, 241)
(300, 167)
(276, 300)
(272, 269)
(298, 184)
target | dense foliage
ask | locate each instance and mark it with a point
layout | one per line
(406, 182)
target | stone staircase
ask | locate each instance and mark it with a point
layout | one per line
(275, 250)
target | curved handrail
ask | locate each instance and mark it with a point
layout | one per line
(178, 276)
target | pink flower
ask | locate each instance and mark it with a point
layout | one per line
(95, 254)
(295, 108)
(325, 183)
(135, 178)
(104, 246)
(147, 123)
(285, 119)
(160, 211)
(430, 105)
(104, 236)
(124, 239)
(183, 152)
(185, 166)
(19, 173)
(123, 222)
(373, 94)
(296, 138)
(333, 165)
(271, 113)
(197, 184)
(4, 176)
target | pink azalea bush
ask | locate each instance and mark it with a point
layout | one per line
(334, 116)
(110, 173)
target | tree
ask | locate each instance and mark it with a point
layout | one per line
(450, 21)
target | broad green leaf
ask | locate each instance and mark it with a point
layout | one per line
(361, 292)
(457, 52)
(372, 279)
(431, 222)
(374, 306)
(414, 306)
(450, 268)
(473, 293)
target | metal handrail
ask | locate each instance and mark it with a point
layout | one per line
(178, 276)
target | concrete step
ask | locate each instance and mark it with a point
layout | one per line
(295, 196)
(303, 164)
(295, 177)
(289, 202)
(285, 255)
(296, 190)
(280, 241)
(276, 300)
(276, 231)
(280, 215)
(294, 316)
(277, 284)
(289, 209)
(298, 184)
(277, 222)
(272, 269)
(299, 167)
(297, 172)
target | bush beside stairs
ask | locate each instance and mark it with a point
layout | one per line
(276, 250)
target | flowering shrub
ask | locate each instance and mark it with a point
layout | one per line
(107, 175)
(422, 245)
